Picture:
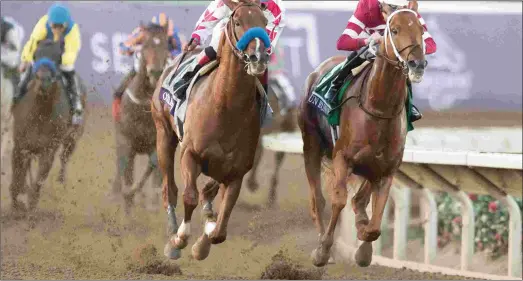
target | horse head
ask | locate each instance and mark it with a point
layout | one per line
(403, 42)
(245, 33)
(154, 52)
(45, 68)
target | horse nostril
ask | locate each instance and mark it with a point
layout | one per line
(253, 58)
(419, 64)
(413, 63)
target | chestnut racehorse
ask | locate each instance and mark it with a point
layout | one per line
(373, 128)
(222, 128)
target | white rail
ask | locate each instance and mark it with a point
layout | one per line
(441, 168)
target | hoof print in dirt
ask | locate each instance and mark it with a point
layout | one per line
(146, 260)
(282, 268)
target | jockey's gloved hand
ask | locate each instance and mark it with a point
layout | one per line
(375, 37)
(193, 44)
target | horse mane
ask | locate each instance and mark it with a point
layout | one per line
(153, 28)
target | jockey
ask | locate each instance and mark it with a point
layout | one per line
(134, 42)
(213, 21)
(365, 26)
(11, 42)
(59, 26)
(277, 70)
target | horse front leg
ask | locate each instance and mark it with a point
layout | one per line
(230, 196)
(202, 247)
(252, 183)
(342, 171)
(45, 162)
(69, 145)
(190, 169)
(166, 144)
(19, 166)
(274, 183)
(372, 230)
(360, 201)
(369, 231)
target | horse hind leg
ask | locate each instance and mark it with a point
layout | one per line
(312, 159)
(45, 163)
(338, 193)
(202, 247)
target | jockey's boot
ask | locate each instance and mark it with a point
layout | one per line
(208, 54)
(74, 97)
(118, 93)
(342, 75)
(415, 114)
(21, 87)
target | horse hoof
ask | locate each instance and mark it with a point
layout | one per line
(252, 186)
(202, 248)
(171, 252)
(218, 239)
(319, 257)
(19, 207)
(363, 256)
(180, 242)
(368, 236)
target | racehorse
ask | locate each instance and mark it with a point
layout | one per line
(284, 121)
(135, 131)
(372, 134)
(42, 123)
(6, 125)
(222, 128)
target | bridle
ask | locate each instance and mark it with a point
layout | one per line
(230, 29)
(400, 63)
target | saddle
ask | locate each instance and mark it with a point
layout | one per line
(178, 107)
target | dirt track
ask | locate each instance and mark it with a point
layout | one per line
(79, 234)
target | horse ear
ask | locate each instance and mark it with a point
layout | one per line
(386, 10)
(231, 3)
(413, 5)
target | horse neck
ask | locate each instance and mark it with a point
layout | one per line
(142, 86)
(385, 90)
(233, 87)
(39, 105)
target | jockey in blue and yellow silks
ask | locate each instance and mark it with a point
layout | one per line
(57, 25)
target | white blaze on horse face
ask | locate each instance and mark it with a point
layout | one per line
(156, 41)
(258, 46)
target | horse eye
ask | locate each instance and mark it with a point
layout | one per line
(237, 23)
(394, 31)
